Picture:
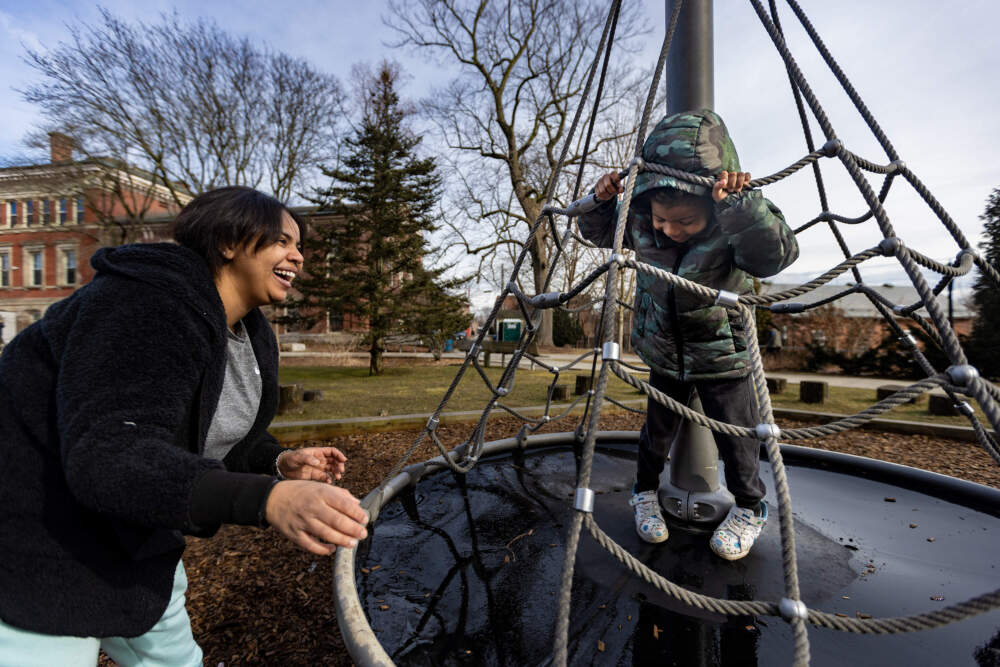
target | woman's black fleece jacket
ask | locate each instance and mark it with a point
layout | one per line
(105, 404)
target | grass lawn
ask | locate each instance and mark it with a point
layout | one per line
(847, 401)
(350, 392)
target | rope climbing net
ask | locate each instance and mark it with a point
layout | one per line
(959, 380)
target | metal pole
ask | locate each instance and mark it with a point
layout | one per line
(690, 491)
(690, 63)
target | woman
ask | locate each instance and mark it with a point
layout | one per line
(136, 410)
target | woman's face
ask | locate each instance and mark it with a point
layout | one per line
(263, 277)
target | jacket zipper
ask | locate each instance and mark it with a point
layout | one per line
(674, 320)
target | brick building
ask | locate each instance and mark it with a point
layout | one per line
(54, 216)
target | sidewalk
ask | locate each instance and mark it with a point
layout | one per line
(560, 359)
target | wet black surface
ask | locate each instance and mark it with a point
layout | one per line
(467, 572)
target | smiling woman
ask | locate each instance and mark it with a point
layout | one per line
(141, 413)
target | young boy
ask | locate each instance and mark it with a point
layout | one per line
(719, 238)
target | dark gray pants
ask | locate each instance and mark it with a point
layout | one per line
(730, 401)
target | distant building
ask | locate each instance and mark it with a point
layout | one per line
(54, 216)
(851, 323)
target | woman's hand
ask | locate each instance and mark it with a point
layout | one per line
(316, 517)
(729, 182)
(322, 464)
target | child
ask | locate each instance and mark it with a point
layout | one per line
(718, 238)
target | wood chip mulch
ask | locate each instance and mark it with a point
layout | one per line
(254, 598)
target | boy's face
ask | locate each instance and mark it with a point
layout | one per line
(680, 221)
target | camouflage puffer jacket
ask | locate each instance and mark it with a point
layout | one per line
(676, 333)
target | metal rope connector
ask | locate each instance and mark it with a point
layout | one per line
(788, 307)
(890, 246)
(432, 423)
(792, 609)
(474, 350)
(728, 299)
(546, 300)
(611, 351)
(899, 309)
(584, 500)
(639, 162)
(896, 166)
(908, 338)
(617, 258)
(831, 148)
(962, 375)
(765, 431)
(501, 391)
(965, 408)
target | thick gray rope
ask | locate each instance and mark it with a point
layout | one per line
(561, 651)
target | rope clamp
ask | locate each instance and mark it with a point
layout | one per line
(896, 165)
(501, 391)
(728, 299)
(432, 423)
(890, 246)
(963, 374)
(831, 148)
(474, 350)
(965, 408)
(792, 609)
(584, 500)
(638, 162)
(611, 351)
(618, 258)
(765, 431)
(908, 338)
(899, 309)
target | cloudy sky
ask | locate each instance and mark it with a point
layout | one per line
(928, 71)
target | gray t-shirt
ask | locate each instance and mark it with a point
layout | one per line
(240, 397)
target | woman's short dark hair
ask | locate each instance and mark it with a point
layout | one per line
(230, 217)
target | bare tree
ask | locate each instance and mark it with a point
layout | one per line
(521, 68)
(189, 104)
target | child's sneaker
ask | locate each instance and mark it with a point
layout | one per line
(737, 533)
(648, 519)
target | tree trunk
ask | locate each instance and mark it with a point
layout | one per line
(375, 361)
(539, 268)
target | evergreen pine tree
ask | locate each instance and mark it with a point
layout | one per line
(983, 345)
(367, 261)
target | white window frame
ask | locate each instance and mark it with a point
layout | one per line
(10, 212)
(63, 210)
(29, 211)
(78, 210)
(28, 267)
(6, 251)
(45, 212)
(61, 264)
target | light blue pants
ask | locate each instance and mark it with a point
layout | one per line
(169, 643)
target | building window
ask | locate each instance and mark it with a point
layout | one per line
(62, 211)
(29, 213)
(11, 210)
(37, 278)
(67, 265)
(79, 209)
(33, 266)
(46, 211)
(4, 268)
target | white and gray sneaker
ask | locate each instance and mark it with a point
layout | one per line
(737, 533)
(648, 519)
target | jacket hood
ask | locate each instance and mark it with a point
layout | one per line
(693, 141)
(167, 266)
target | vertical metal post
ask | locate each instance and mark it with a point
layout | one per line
(689, 490)
(690, 63)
